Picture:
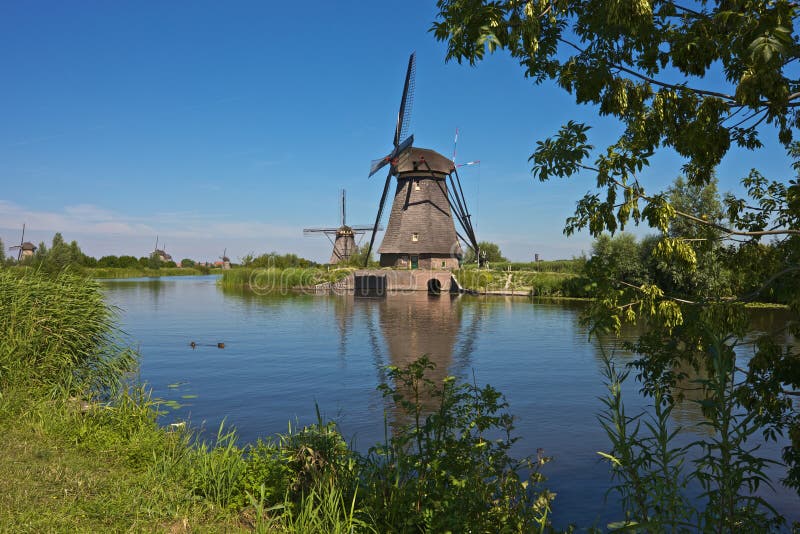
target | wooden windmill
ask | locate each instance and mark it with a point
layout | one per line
(161, 254)
(226, 261)
(25, 249)
(343, 237)
(421, 232)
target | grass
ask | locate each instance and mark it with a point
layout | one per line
(545, 284)
(127, 272)
(68, 471)
(268, 280)
(573, 266)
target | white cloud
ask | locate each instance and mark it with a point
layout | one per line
(102, 231)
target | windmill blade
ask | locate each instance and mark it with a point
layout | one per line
(359, 228)
(407, 101)
(320, 230)
(21, 242)
(377, 164)
(344, 209)
(378, 218)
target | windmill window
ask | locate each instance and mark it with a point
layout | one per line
(444, 264)
(416, 185)
(415, 237)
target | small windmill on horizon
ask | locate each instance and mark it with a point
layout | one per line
(343, 237)
(25, 249)
(161, 254)
(226, 261)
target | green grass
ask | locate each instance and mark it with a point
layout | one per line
(573, 266)
(543, 284)
(125, 272)
(267, 280)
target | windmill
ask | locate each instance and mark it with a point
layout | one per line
(226, 261)
(343, 238)
(421, 231)
(161, 253)
(25, 249)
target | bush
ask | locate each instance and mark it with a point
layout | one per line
(447, 465)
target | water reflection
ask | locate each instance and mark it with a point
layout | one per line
(688, 390)
(418, 325)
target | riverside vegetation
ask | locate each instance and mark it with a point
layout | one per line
(61, 255)
(83, 451)
(700, 82)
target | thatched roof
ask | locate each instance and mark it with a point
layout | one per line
(27, 245)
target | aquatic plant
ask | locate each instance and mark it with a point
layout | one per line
(280, 280)
(653, 473)
(448, 467)
(544, 284)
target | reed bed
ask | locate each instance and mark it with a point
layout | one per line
(272, 280)
(128, 272)
(573, 266)
(545, 284)
(57, 332)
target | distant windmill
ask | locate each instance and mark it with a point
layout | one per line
(25, 249)
(226, 261)
(342, 238)
(161, 253)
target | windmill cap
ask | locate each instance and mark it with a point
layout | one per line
(423, 159)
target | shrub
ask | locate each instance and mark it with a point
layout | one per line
(447, 465)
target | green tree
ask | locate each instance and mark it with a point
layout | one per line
(186, 262)
(358, 259)
(2, 252)
(698, 79)
(279, 261)
(108, 261)
(39, 257)
(489, 251)
(128, 262)
(154, 261)
(617, 258)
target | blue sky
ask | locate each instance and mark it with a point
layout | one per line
(233, 125)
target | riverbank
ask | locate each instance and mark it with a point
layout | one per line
(272, 279)
(101, 273)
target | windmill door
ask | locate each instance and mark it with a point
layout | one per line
(414, 261)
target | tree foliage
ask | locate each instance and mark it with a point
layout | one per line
(279, 261)
(490, 252)
(698, 79)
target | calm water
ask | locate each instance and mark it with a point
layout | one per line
(283, 354)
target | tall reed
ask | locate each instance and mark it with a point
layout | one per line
(58, 332)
